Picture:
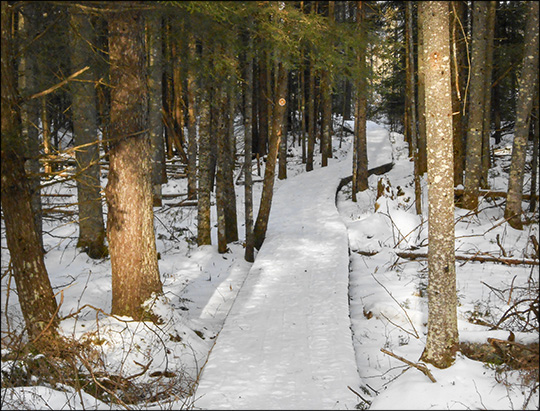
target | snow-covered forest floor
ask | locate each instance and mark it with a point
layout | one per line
(137, 365)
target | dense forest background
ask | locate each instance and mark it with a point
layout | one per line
(135, 92)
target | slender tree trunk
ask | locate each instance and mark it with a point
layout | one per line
(412, 106)
(534, 162)
(221, 131)
(486, 129)
(36, 298)
(30, 110)
(303, 110)
(442, 338)
(459, 77)
(263, 105)
(473, 159)
(84, 113)
(311, 117)
(248, 153)
(282, 168)
(204, 172)
(231, 219)
(527, 87)
(360, 160)
(130, 229)
(270, 169)
(46, 134)
(191, 124)
(422, 155)
(155, 105)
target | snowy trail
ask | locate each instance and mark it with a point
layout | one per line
(287, 343)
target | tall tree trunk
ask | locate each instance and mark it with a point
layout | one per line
(459, 77)
(205, 176)
(534, 162)
(422, 155)
(412, 106)
(442, 338)
(130, 229)
(527, 87)
(221, 132)
(311, 116)
(36, 297)
(263, 104)
(360, 160)
(30, 110)
(231, 219)
(473, 158)
(248, 147)
(270, 169)
(155, 104)
(191, 124)
(84, 114)
(486, 129)
(282, 167)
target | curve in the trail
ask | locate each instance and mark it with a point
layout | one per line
(287, 343)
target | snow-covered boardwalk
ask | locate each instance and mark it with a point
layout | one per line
(287, 343)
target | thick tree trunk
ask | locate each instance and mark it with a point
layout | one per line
(231, 219)
(534, 162)
(473, 158)
(527, 87)
(36, 298)
(442, 339)
(221, 132)
(84, 114)
(270, 169)
(155, 105)
(262, 105)
(130, 229)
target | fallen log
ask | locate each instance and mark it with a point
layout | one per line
(411, 255)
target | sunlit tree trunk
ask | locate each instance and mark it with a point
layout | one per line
(442, 338)
(527, 86)
(84, 114)
(130, 229)
(35, 294)
(270, 169)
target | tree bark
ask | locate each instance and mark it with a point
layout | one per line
(527, 86)
(248, 149)
(130, 229)
(360, 160)
(459, 68)
(204, 172)
(270, 169)
(422, 155)
(310, 116)
(191, 124)
(473, 158)
(155, 105)
(442, 339)
(36, 297)
(30, 109)
(486, 129)
(84, 114)
(231, 219)
(412, 106)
